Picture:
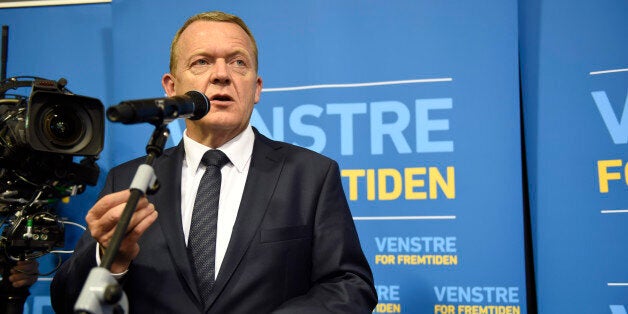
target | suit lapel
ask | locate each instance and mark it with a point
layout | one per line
(168, 171)
(266, 166)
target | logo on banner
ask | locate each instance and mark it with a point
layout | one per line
(436, 250)
(472, 300)
(405, 128)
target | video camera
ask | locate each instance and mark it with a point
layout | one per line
(40, 137)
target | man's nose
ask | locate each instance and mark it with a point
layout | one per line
(220, 73)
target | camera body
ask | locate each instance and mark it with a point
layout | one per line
(55, 120)
(40, 137)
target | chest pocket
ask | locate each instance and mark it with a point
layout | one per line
(285, 234)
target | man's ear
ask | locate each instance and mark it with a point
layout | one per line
(258, 89)
(167, 82)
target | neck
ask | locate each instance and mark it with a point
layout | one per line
(211, 138)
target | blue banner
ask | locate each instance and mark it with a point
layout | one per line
(575, 96)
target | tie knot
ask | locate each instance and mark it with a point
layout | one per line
(215, 157)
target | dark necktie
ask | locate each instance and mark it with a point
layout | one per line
(202, 239)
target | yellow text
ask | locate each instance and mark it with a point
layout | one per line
(605, 174)
(388, 184)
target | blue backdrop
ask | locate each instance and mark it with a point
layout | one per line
(419, 102)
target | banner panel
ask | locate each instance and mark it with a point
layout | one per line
(417, 101)
(576, 108)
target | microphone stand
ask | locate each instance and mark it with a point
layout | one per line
(101, 292)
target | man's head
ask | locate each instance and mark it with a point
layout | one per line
(215, 53)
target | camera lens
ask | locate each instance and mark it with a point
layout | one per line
(64, 123)
(62, 126)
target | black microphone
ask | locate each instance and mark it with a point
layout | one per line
(193, 105)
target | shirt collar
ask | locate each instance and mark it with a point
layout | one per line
(239, 149)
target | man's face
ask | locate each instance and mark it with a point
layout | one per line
(216, 58)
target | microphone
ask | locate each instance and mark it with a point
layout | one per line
(193, 105)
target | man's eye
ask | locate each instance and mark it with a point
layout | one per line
(239, 63)
(200, 62)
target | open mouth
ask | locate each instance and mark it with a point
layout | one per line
(220, 97)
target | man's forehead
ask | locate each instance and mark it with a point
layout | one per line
(207, 28)
(204, 33)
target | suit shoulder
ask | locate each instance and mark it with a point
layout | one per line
(131, 165)
(294, 152)
(125, 166)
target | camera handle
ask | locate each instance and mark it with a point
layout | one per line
(101, 292)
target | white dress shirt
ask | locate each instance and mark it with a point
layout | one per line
(234, 173)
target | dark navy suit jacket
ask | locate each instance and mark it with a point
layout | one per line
(294, 247)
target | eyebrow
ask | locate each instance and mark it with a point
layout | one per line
(233, 53)
(240, 51)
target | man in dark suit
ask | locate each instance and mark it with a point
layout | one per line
(285, 240)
